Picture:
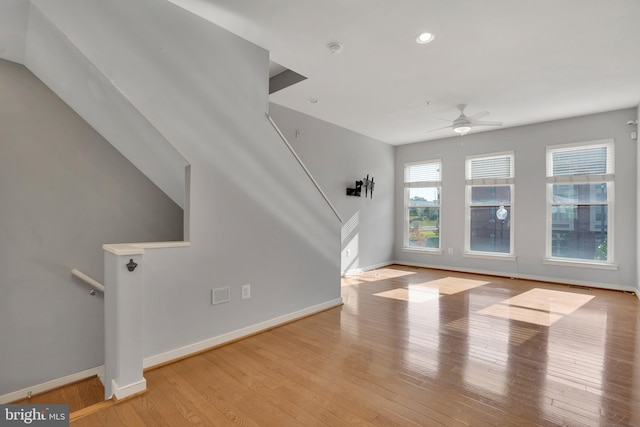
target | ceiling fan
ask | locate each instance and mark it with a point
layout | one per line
(464, 123)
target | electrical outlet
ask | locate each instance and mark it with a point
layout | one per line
(450, 251)
(246, 291)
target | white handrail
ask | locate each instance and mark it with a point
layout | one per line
(80, 275)
(303, 167)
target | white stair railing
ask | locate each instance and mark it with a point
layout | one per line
(97, 286)
(304, 167)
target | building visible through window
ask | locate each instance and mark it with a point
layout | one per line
(580, 183)
(489, 202)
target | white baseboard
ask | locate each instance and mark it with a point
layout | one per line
(120, 392)
(50, 385)
(521, 276)
(187, 350)
(128, 390)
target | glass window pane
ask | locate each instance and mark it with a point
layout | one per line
(488, 233)
(579, 231)
(422, 197)
(424, 227)
(580, 193)
(490, 194)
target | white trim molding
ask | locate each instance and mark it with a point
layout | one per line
(50, 385)
(128, 390)
(579, 264)
(219, 340)
(537, 278)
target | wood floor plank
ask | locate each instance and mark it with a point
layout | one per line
(77, 395)
(415, 347)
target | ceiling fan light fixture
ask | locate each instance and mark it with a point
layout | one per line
(461, 128)
(424, 38)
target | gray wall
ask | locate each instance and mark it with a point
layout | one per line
(13, 29)
(65, 191)
(337, 157)
(528, 143)
(254, 217)
(636, 128)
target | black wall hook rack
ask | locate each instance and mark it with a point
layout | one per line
(368, 188)
(355, 191)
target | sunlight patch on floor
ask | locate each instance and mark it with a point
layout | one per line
(550, 300)
(374, 275)
(538, 306)
(451, 285)
(429, 290)
(411, 294)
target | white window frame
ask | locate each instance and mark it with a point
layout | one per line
(421, 184)
(607, 178)
(471, 182)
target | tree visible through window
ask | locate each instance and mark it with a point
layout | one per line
(422, 205)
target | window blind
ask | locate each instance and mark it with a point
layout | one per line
(495, 169)
(423, 174)
(585, 162)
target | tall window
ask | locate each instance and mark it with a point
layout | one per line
(489, 200)
(422, 185)
(580, 181)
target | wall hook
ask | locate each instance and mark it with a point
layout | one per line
(368, 185)
(355, 191)
(131, 265)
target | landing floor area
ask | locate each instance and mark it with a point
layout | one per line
(415, 347)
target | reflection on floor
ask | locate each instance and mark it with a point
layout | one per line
(414, 347)
(539, 306)
(426, 291)
(524, 352)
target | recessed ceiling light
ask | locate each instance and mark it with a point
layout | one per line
(335, 48)
(313, 100)
(424, 38)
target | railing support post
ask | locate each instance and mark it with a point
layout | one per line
(123, 269)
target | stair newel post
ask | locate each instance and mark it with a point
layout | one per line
(123, 269)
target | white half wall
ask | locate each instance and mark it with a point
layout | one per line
(65, 192)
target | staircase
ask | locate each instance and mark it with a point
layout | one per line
(84, 397)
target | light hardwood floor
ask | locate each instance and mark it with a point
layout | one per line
(415, 347)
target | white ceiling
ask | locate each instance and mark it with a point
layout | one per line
(522, 61)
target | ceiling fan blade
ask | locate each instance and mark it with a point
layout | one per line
(478, 116)
(444, 120)
(446, 127)
(487, 124)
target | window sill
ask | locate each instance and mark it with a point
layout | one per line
(582, 264)
(488, 255)
(422, 251)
